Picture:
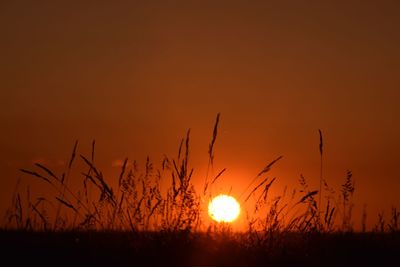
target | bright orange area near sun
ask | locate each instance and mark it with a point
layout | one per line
(223, 208)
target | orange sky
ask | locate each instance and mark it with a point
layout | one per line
(135, 76)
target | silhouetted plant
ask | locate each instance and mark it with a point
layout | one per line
(165, 199)
(347, 194)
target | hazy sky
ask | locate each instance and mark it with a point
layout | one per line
(135, 75)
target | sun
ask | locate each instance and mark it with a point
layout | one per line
(223, 208)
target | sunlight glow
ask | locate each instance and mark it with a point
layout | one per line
(223, 208)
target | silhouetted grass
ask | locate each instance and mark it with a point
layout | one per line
(157, 211)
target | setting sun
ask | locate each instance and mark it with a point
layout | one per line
(223, 208)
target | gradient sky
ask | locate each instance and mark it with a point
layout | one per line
(135, 75)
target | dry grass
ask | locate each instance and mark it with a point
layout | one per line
(139, 203)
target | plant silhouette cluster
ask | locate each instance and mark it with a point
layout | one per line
(165, 199)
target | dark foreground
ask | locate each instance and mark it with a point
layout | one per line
(180, 249)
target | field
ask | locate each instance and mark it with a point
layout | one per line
(183, 249)
(142, 222)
